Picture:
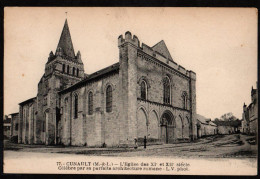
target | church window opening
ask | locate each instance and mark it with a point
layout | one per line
(109, 99)
(166, 90)
(43, 126)
(75, 106)
(90, 103)
(63, 68)
(143, 90)
(185, 101)
(68, 69)
(73, 71)
(77, 72)
(66, 109)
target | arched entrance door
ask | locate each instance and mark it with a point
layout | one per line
(167, 127)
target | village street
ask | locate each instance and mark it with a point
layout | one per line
(220, 154)
(219, 146)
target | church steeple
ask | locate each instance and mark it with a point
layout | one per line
(65, 46)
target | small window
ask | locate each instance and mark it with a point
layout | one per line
(185, 101)
(66, 109)
(16, 126)
(43, 126)
(109, 99)
(63, 68)
(90, 103)
(75, 106)
(77, 72)
(73, 71)
(143, 90)
(68, 69)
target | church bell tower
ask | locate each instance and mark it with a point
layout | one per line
(62, 70)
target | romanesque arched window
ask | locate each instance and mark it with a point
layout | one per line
(185, 100)
(68, 69)
(63, 68)
(43, 126)
(143, 90)
(77, 72)
(73, 71)
(75, 106)
(109, 99)
(66, 109)
(46, 120)
(166, 91)
(90, 103)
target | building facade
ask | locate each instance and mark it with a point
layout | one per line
(228, 127)
(205, 127)
(14, 126)
(250, 114)
(7, 127)
(145, 94)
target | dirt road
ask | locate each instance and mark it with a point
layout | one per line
(220, 146)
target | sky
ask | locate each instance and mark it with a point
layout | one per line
(219, 44)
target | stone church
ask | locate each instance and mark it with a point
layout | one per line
(145, 94)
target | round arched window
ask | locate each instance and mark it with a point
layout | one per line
(109, 99)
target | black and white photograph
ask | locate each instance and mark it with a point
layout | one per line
(130, 90)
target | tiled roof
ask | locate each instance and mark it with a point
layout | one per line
(14, 113)
(228, 123)
(203, 119)
(97, 75)
(161, 48)
(27, 101)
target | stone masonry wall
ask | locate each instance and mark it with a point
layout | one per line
(153, 73)
(143, 63)
(15, 125)
(97, 129)
(154, 112)
(26, 123)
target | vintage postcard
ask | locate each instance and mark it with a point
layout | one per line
(130, 90)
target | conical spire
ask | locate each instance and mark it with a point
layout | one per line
(65, 44)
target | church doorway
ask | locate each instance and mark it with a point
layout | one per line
(167, 125)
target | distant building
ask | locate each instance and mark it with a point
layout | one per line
(7, 126)
(205, 126)
(245, 120)
(14, 125)
(228, 127)
(250, 114)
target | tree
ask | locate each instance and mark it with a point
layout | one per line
(228, 117)
(6, 117)
(216, 119)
